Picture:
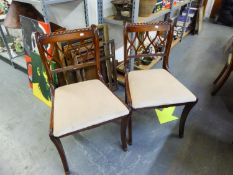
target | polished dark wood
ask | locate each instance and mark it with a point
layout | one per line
(215, 8)
(124, 123)
(184, 115)
(130, 141)
(58, 144)
(141, 37)
(74, 53)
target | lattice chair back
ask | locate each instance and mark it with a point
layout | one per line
(69, 55)
(147, 40)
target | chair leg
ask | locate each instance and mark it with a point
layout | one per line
(124, 123)
(129, 122)
(184, 116)
(220, 75)
(130, 129)
(61, 152)
(221, 81)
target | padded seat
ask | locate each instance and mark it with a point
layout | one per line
(80, 105)
(156, 87)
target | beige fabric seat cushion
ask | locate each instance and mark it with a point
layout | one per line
(156, 87)
(84, 104)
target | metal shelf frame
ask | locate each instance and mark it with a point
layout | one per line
(135, 15)
(46, 3)
(8, 54)
(44, 6)
(135, 10)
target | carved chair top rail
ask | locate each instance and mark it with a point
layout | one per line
(145, 27)
(67, 35)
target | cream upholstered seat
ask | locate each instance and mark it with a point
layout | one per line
(84, 104)
(156, 87)
(75, 57)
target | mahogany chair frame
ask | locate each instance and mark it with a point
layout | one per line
(163, 29)
(70, 36)
(223, 76)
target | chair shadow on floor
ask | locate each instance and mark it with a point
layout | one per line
(200, 153)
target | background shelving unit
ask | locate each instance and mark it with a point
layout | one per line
(18, 61)
(15, 60)
(135, 18)
(44, 5)
(165, 13)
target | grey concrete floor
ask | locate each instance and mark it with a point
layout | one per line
(206, 149)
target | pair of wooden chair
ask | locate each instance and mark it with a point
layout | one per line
(89, 103)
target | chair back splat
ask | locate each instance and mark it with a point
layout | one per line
(147, 40)
(154, 88)
(69, 55)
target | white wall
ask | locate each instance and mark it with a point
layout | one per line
(92, 11)
(69, 15)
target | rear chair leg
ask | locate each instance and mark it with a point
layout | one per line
(220, 75)
(129, 122)
(184, 116)
(130, 129)
(61, 152)
(221, 81)
(124, 123)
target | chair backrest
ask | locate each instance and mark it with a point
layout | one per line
(147, 40)
(68, 55)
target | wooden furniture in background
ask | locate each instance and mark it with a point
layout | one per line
(78, 103)
(227, 69)
(215, 8)
(224, 75)
(107, 57)
(155, 88)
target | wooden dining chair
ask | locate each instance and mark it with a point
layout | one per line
(154, 88)
(223, 76)
(79, 104)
